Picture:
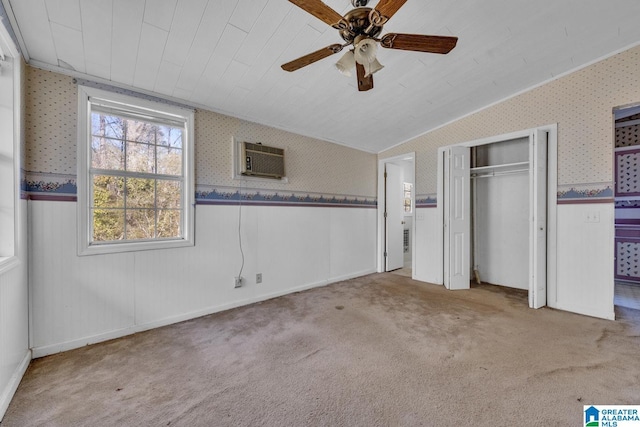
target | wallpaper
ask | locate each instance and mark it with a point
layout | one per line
(580, 103)
(318, 172)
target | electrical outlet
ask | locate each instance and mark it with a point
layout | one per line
(259, 278)
(238, 282)
(593, 216)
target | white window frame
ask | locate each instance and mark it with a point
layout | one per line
(10, 224)
(87, 96)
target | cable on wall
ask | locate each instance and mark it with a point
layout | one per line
(239, 277)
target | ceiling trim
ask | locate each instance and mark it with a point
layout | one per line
(78, 75)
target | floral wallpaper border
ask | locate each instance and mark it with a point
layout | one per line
(60, 187)
(426, 201)
(597, 192)
(48, 186)
(214, 195)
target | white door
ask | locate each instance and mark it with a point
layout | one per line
(538, 225)
(457, 221)
(394, 216)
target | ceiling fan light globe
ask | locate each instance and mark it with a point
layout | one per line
(365, 51)
(372, 67)
(365, 55)
(346, 63)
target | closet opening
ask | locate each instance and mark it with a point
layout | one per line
(498, 213)
(500, 200)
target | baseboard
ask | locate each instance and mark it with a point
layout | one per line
(14, 382)
(586, 311)
(94, 339)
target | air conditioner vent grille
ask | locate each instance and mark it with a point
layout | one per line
(264, 149)
(263, 161)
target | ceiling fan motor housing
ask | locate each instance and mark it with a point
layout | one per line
(357, 22)
(359, 3)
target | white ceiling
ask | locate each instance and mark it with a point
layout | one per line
(225, 55)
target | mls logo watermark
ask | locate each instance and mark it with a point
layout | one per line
(611, 415)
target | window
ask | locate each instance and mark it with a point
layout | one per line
(135, 179)
(10, 107)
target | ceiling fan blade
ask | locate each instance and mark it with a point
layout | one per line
(320, 10)
(364, 83)
(388, 8)
(419, 43)
(303, 61)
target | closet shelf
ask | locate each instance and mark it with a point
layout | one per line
(503, 167)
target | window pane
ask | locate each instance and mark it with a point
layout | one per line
(140, 193)
(105, 125)
(169, 161)
(108, 224)
(168, 194)
(140, 157)
(107, 153)
(170, 136)
(141, 224)
(141, 131)
(169, 223)
(108, 191)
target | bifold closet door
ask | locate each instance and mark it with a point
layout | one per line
(457, 217)
(538, 225)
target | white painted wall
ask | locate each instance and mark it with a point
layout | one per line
(81, 300)
(428, 246)
(502, 229)
(585, 259)
(584, 256)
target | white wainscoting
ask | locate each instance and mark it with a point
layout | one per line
(585, 259)
(14, 322)
(585, 236)
(428, 246)
(82, 300)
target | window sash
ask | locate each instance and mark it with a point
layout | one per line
(127, 207)
(125, 111)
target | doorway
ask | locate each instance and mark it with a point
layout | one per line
(396, 205)
(627, 207)
(483, 180)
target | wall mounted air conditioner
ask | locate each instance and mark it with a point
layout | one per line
(262, 161)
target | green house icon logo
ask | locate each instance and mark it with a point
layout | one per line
(592, 417)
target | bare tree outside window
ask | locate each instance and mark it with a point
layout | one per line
(136, 173)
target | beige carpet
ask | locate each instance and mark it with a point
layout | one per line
(381, 350)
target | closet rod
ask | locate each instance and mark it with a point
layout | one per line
(488, 175)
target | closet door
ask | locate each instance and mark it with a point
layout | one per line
(538, 225)
(457, 225)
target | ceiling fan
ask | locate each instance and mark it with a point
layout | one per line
(360, 28)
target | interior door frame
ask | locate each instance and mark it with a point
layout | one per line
(406, 157)
(552, 190)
